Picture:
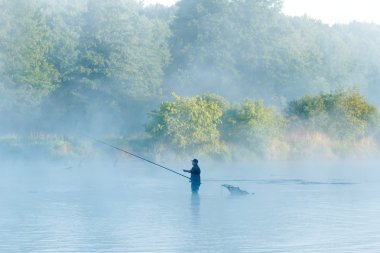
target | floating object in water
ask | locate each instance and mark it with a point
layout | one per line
(234, 190)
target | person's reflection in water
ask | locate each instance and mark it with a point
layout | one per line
(195, 180)
(195, 205)
(195, 177)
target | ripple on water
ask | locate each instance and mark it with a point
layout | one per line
(106, 214)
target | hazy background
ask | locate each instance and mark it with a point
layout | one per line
(330, 12)
(282, 106)
(220, 79)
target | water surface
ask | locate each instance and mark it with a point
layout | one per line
(139, 208)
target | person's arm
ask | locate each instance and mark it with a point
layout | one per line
(188, 171)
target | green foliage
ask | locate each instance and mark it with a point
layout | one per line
(38, 146)
(263, 54)
(251, 125)
(160, 12)
(218, 44)
(343, 113)
(101, 65)
(189, 124)
(206, 124)
(37, 54)
(27, 44)
(123, 49)
(116, 68)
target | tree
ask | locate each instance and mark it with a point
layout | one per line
(260, 53)
(341, 114)
(251, 126)
(217, 45)
(121, 59)
(160, 12)
(123, 48)
(27, 45)
(37, 51)
(189, 124)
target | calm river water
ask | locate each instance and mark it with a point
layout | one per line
(297, 207)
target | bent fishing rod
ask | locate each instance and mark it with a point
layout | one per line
(137, 156)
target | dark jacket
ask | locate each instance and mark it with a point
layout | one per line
(195, 177)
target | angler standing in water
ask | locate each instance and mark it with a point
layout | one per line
(195, 177)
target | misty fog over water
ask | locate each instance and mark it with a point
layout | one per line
(296, 207)
(101, 101)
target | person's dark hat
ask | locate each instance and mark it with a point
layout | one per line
(195, 160)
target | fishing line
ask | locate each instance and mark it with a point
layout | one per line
(137, 156)
(166, 168)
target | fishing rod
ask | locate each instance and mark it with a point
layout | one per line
(142, 158)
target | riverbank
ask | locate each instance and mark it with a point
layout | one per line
(294, 146)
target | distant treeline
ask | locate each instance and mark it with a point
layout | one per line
(101, 67)
(330, 125)
(339, 124)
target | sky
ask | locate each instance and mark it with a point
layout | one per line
(329, 11)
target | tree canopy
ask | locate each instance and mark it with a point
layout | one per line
(102, 66)
(343, 113)
(189, 124)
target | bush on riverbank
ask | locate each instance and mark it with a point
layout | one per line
(340, 124)
(252, 126)
(341, 114)
(333, 125)
(37, 145)
(189, 124)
